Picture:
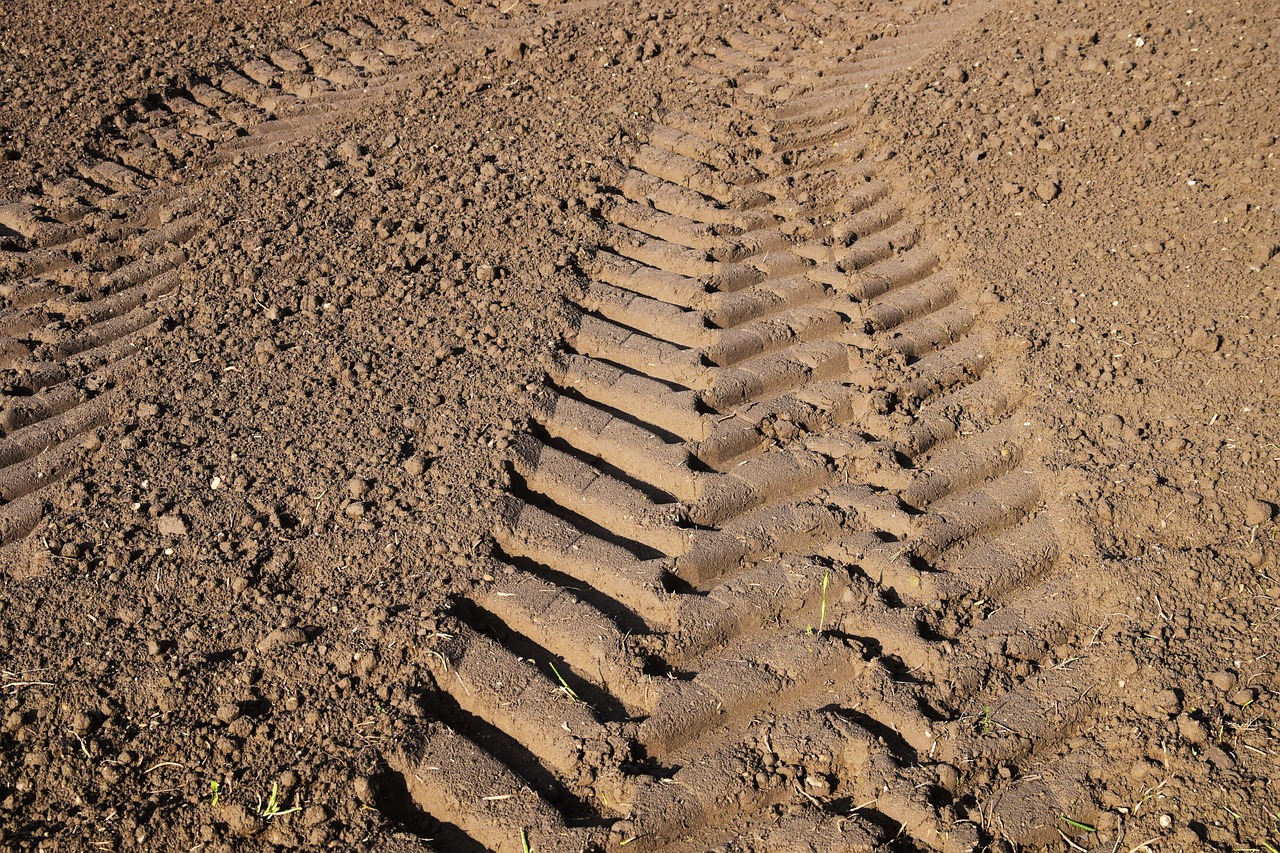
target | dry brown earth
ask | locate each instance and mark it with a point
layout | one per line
(582, 426)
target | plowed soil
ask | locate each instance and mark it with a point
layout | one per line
(579, 426)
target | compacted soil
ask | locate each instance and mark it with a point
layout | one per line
(737, 426)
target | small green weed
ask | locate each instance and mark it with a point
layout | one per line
(272, 808)
(822, 614)
(1078, 825)
(564, 685)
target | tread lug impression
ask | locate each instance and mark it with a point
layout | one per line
(782, 558)
(779, 546)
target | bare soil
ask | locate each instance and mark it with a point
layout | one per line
(578, 426)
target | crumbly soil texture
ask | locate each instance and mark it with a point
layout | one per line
(790, 425)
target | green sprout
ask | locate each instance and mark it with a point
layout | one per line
(822, 616)
(568, 691)
(273, 805)
(1078, 825)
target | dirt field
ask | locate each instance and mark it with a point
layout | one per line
(582, 426)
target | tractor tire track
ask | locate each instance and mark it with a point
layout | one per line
(90, 258)
(783, 569)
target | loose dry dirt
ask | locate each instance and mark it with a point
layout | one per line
(573, 426)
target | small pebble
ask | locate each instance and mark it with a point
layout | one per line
(948, 777)
(282, 637)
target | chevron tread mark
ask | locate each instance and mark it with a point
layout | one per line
(779, 549)
(91, 258)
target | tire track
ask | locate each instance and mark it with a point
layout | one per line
(87, 258)
(90, 259)
(783, 569)
(78, 308)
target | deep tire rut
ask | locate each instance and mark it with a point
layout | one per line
(782, 569)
